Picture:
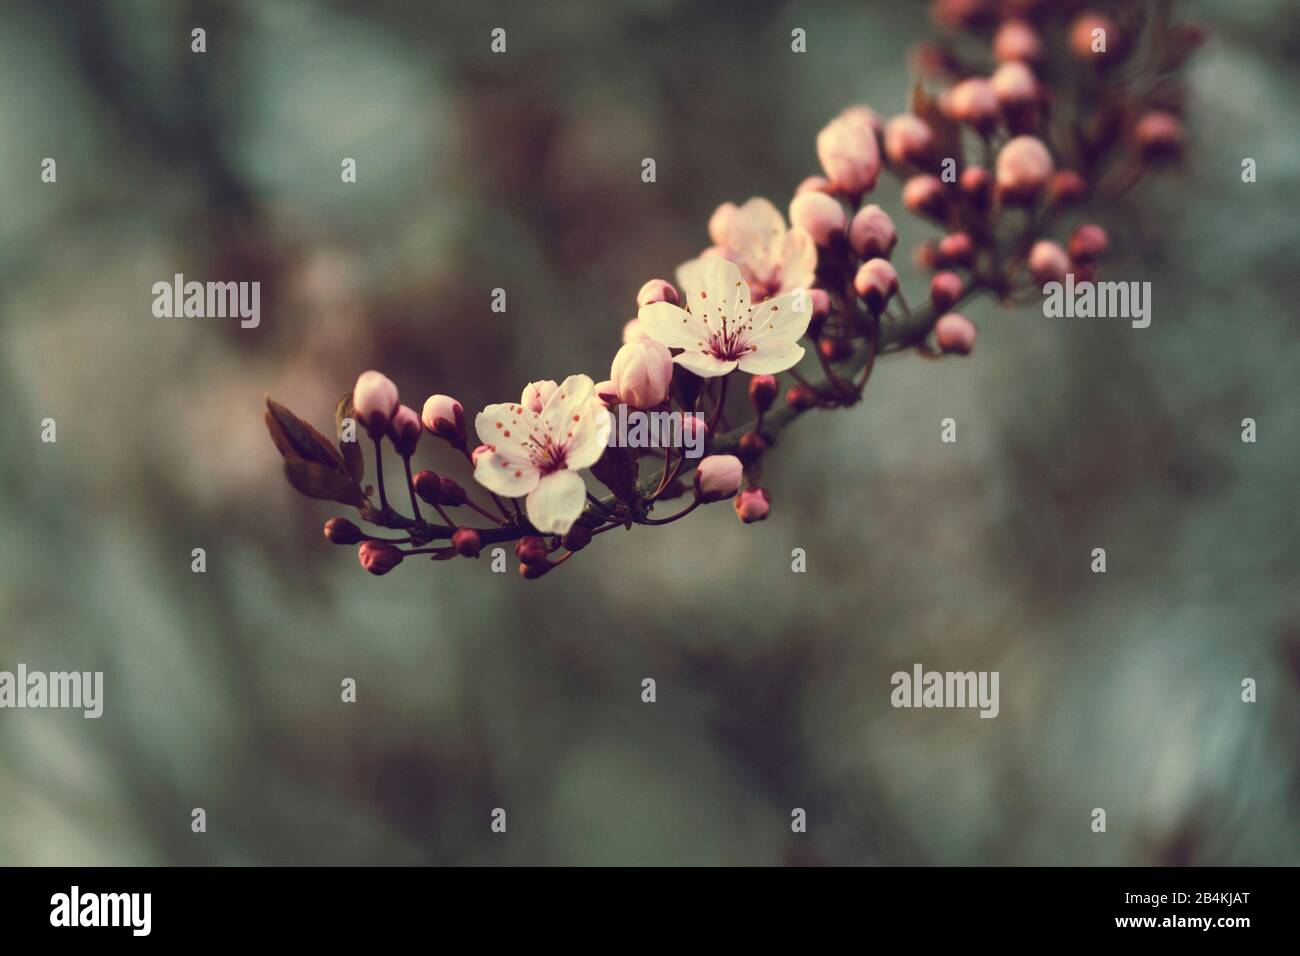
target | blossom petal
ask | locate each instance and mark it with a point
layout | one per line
(724, 296)
(506, 472)
(755, 236)
(557, 501)
(671, 326)
(780, 320)
(705, 366)
(798, 260)
(771, 356)
(507, 426)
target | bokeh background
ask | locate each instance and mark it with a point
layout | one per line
(479, 690)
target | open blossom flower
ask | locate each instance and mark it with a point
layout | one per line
(538, 453)
(720, 331)
(772, 258)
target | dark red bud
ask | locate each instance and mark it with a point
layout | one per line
(378, 557)
(801, 397)
(466, 542)
(751, 447)
(762, 392)
(531, 549)
(453, 494)
(945, 289)
(343, 531)
(428, 486)
(531, 571)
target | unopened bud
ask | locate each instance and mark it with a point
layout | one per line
(849, 155)
(428, 486)
(821, 216)
(946, 288)
(955, 334)
(821, 303)
(814, 184)
(533, 571)
(976, 185)
(909, 141)
(452, 494)
(1088, 243)
(1159, 135)
(531, 549)
(404, 430)
(641, 373)
(956, 249)
(1024, 165)
(872, 234)
(1015, 85)
(973, 102)
(1017, 40)
(1088, 28)
(1066, 188)
(374, 398)
(752, 504)
(752, 445)
(718, 477)
(632, 332)
(466, 542)
(577, 537)
(801, 397)
(378, 557)
(343, 531)
(444, 417)
(924, 195)
(657, 290)
(876, 282)
(1048, 262)
(762, 392)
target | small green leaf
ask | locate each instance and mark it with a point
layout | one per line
(319, 481)
(617, 471)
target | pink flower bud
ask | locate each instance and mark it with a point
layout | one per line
(976, 185)
(946, 288)
(814, 184)
(865, 117)
(762, 392)
(955, 334)
(1088, 243)
(466, 542)
(801, 398)
(535, 394)
(973, 102)
(821, 216)
(658, 290)
(751, 446)
(531, 549)
(1048, 262)
(404, 430)
(1159, 135)
(956, 249)
(924, 195)
(909, 140)
(1066, 188)
(641, 373)
(378, 557)
(1024, 165)
(607, 393)
(374, 398)
(752, 504)
(717, 477)
(632, 332)
(428, 486)
(875, 283)
(1017, 40)
(849, 155)
(444, 417)
(1083, 37)
(1014, 84)
(343, 531)
(719, 227)
(872, 234)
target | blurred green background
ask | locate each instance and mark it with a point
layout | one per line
(478, 690)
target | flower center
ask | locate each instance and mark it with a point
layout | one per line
(546, 454)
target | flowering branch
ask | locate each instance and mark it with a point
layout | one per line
(994, 159)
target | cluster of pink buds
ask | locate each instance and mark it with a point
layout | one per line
(994, 152)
